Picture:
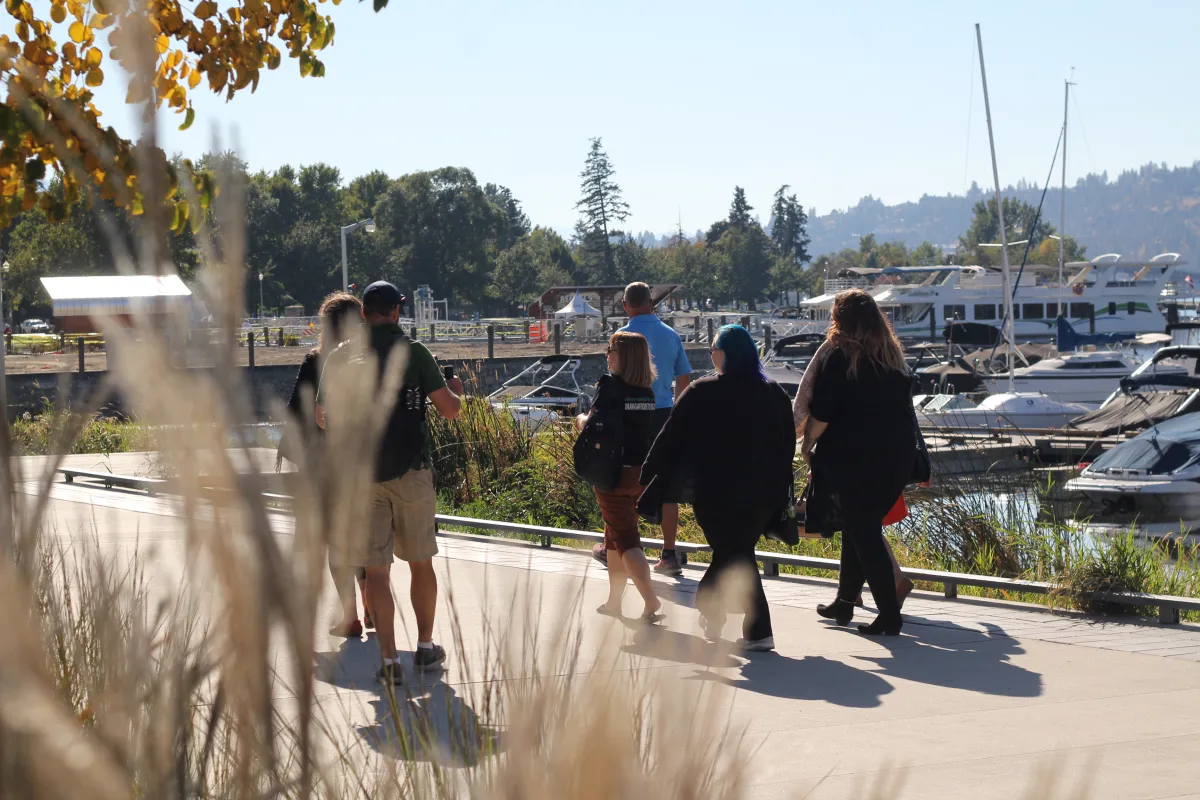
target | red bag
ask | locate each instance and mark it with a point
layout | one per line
(899, 512)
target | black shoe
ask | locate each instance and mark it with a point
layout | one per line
(840, 611)
(429, 659)
(390, 675)
(881, 628)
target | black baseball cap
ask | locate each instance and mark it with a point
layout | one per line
(381, 297)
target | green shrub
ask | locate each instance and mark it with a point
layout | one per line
(38, 434)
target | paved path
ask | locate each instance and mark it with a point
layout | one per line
(976, 699)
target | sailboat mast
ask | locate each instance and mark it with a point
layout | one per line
(1062, 202)
(1008, 298)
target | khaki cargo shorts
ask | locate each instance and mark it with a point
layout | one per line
(402, 517)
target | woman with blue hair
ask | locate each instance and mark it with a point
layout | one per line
(733, 436)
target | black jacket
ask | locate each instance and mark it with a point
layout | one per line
(732, 438)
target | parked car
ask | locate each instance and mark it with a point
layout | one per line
(36, 326)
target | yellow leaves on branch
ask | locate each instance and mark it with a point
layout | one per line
(56, 56)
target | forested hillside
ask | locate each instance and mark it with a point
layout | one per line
(1141, 213)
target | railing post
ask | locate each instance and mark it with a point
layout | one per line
(432, 332)
(767, 337)
(281, 339)
(81, 356)
(1168, 615)
(527, 326)
(491, 334)
(413, 334)
(710, 331)
(250, 347)
(698, 325)
(545, 541)
(557, 338)
(266, 336)
(722, 320)
(951, 589)
(771, 569)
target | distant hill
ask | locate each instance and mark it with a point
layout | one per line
(1142, 213)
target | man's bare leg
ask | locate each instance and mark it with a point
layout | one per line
(383, 608)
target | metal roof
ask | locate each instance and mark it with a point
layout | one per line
(115, 287)
(101, 295)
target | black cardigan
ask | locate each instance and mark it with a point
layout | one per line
(734, 437)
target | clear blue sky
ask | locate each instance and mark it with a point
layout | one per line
(838, 99)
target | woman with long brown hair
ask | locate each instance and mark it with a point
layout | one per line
(626, 390)
(340, 314)
(861, 448)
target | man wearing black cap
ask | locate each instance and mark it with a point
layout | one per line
(404, 501)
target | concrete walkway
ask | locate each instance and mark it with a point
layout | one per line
(976, 699)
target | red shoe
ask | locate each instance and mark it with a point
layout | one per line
(347, 630)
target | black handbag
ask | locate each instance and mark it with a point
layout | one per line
(784, 526)
(599, 450)
(922, 466)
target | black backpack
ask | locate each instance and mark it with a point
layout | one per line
(402, 442)
(599, 450)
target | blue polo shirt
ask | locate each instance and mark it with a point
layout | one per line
(666, 348)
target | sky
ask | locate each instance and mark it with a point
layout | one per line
(837, 99)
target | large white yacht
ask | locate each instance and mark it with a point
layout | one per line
(1122, 295)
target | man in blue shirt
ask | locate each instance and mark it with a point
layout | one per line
(672, 365)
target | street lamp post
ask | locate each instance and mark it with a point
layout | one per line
(369, 224)
(260, 295)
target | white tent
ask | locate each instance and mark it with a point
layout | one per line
(578, 307)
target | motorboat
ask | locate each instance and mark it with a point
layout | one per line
(1153, 478)
(543, 392)
(1149, 395)
(1085, 377)
(1012, 411)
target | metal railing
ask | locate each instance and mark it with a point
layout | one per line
(1168, 606)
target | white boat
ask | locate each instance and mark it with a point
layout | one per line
(1153, 478)
(1122, 295)
(1015, 411)
(544, 392)
(1085, 377)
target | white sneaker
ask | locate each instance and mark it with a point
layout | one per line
(757, 645)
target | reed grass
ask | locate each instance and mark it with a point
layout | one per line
(119, 679)
(34, 434)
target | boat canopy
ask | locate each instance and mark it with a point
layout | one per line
(1164, 449)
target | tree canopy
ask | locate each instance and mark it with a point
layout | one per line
(55, 60)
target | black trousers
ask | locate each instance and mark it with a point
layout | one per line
(732, 533)
(864, 555)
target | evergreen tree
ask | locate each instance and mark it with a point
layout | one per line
(739, 212)
(518, 222)
(600, 206)
(789, 227)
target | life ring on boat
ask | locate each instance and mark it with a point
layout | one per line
(1077, 288)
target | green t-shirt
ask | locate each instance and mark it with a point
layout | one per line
(421, 373)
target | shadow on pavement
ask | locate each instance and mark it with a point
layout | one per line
(425, 720)
(435, 725)
(975, 662)
(808, 678)
(667, 645)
